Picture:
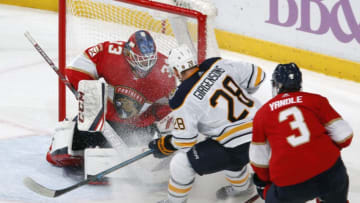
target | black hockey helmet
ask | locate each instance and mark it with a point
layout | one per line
(286, 78)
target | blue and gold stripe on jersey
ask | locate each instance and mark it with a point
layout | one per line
(180, 142)
(256, 78)
(235, 135)
(187, 85)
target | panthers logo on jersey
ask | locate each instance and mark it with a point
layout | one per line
(128, 102)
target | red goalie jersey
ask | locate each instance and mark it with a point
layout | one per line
(133, 99)
(296, 136)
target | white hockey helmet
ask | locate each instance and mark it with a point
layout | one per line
(181, 59)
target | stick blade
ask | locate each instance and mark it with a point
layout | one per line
(252, 199)
(37, 188)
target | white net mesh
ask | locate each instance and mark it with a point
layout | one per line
(93, 21)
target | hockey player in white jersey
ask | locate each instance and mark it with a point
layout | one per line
(213, 99)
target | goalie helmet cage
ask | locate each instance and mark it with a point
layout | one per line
(84, 23)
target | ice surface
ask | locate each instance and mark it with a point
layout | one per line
(28, 115)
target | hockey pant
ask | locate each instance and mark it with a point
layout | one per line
(207, 157)
(330, 186)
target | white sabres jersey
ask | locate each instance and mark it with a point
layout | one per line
(215, 102)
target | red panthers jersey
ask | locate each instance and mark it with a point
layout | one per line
(296, 136)
(137, 95)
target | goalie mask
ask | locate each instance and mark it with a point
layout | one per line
(140, 52)
(286, 78)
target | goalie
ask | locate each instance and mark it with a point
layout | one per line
(120, 82)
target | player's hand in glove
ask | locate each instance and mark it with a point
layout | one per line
(261, 186)
(162, 146)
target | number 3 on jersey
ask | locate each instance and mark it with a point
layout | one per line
(298, 123)
(115, 48)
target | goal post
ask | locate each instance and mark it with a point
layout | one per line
(62, 59)
(84, 23)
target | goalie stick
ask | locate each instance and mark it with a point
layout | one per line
(109, 133)
(42, 190)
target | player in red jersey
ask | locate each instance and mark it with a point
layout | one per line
(137, 94)
(295, 149)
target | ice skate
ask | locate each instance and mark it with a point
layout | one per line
(229, 191)
(169, 201)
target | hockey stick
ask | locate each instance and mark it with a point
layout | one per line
(252, 199)
(109, 133)
(51, 63)
(42, 190)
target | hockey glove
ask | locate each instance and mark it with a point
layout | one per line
(261, 186)
(162, 146)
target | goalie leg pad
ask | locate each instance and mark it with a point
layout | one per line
(92, 105)
(63, 159)
(60, 153)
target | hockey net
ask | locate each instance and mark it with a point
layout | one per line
(84, 23)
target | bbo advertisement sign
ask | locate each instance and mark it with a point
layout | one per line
(330, 27)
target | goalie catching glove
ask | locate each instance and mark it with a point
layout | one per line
(162, 146)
